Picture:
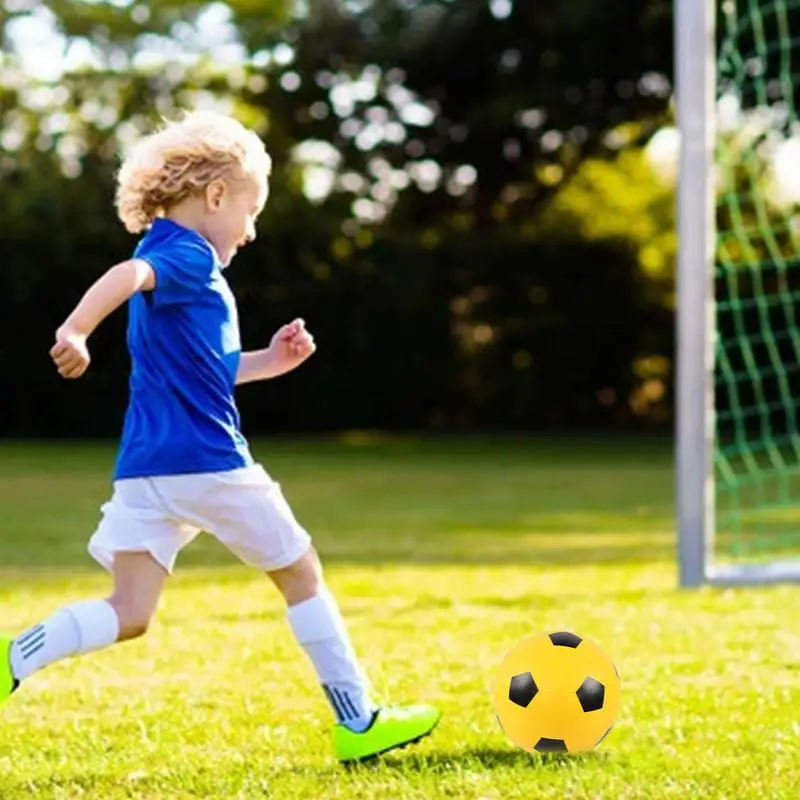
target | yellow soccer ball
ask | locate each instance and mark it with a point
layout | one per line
(556, 693)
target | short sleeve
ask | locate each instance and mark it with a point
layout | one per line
(182, 263)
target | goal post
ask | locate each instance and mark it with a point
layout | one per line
(738, 288)
(695, 70)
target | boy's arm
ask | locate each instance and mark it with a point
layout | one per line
(260, 365)
(289, 348)
(108, 293)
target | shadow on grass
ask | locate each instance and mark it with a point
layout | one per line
(476, 758)
(493, 758)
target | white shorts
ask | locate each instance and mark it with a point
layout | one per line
(244, 508)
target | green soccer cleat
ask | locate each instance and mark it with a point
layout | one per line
(390, 728)
(7, 680)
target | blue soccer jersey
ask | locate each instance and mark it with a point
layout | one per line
(185, 349)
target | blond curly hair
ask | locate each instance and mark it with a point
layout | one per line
(182, 158)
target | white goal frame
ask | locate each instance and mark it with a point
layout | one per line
(695, 85)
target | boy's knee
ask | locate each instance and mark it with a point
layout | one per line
(133, 622)
(307, 568)
(133, 628)
(301, 580)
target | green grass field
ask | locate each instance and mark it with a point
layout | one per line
(443, 555)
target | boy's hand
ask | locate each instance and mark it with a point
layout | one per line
(292, 345)
(70, 353)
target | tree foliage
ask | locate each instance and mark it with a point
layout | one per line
(448, 208)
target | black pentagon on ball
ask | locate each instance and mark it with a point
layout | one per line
(550, 746)
(565, 639)
(522, 689)
(591, 695)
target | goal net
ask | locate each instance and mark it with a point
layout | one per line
(748, 529)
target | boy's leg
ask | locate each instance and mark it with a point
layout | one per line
(138, 584)
(363, 730)
(321, 631)
(90, 625)
(247, 512)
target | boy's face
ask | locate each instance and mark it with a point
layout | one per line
(233, 208)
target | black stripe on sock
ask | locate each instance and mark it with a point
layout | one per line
(351, 705)
(22, 638)
(32, 645)
(345, 710)
(33, 650)
(334, 701)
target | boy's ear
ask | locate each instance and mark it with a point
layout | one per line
(215, 191)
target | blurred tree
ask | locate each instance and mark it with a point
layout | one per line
(483, 109)
(472, 112)
(439, 167)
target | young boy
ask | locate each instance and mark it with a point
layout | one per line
(197, 187)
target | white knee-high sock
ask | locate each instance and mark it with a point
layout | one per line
(79, 628)
(319, 628)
